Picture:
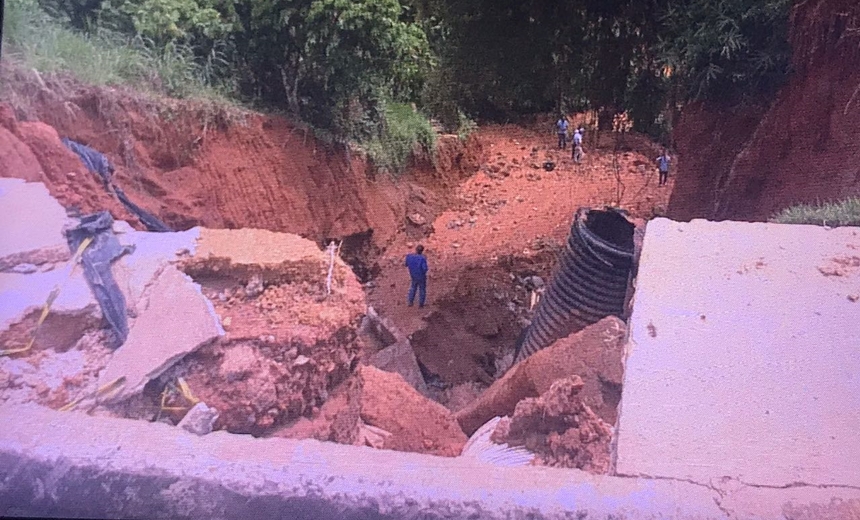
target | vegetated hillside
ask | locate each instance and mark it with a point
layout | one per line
(749, 162)
(198, 163)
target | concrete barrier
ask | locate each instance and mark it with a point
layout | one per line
(57, 464)
(70, 464)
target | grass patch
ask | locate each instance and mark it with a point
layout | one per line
(406, 132)
(103, 57)
(833, 214)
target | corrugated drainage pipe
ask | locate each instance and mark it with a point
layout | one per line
(590, 280)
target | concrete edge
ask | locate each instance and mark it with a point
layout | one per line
(69, 464)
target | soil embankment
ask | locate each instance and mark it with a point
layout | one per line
(193, 163)
(745, 163)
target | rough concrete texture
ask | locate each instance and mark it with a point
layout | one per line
(68, 464)
(174, 320)
(274, 257)
(32, 225)
(594, 353)
(743, 355)
(22, 295)
(199, 420)
(415, 422)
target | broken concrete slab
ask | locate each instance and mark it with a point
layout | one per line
(175, 319)
(743, 357)
(152, 253)
(49, 460)
(595, 354)
(32, 225)
(274, 257)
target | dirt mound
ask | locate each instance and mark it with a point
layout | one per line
(414, 422)
(288, 343)
(746, 164)
(559, 429)
(33, 151)
(594, 354)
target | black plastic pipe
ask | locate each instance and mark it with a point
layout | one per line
(589, 282)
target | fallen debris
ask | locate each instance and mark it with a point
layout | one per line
(594, 353)
(199, 420)
(559, 429)
(175, 320)
(415, 423)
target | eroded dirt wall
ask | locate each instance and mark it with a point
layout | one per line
(200, 164)
(747, 163)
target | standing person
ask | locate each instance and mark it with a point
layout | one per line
(663, 166)
(417, 264)
(561, 130)
(577, 145)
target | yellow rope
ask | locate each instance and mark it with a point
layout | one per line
(116, 382)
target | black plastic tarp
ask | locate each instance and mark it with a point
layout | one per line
(94, 160)
(98, 163)
(97, 259)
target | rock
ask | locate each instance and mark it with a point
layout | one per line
(415, 423)
(417, 219)
(594, 353)
(533, 282)
(200, 419)
(33, 223)
(301, 360)
(559, 428)
(255, 286)
(238, 362)
(176, 320)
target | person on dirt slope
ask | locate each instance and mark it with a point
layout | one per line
(663, 166)
(417, 264)
(561, 129)
(577, 145)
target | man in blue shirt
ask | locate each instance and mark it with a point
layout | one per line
(417, 264)
(561, 129)
(663, 165)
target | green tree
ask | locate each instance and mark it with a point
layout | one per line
(725, 49)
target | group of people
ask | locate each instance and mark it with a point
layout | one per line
(416, 262)
(562, 127)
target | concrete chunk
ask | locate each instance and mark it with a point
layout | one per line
(743, 355)
(32, 225)
(175, 319)
(199, 420)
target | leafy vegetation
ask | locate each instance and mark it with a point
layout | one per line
(348, 66)
(833, 214)
(727, 48)
(103, 56)
(406, 133)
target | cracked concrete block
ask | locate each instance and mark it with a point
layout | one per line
(743, 355)
(32, 225)
(22, 297)
(199, 420)
(152, 253)
(174, 319)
